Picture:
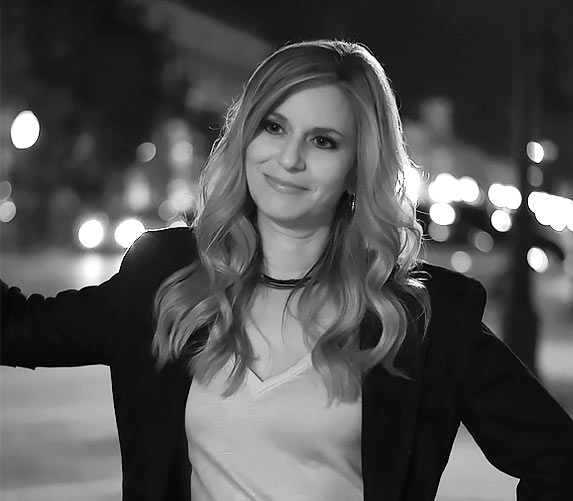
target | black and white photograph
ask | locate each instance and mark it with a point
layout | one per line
(286, 251)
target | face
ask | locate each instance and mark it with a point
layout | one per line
(299, 164)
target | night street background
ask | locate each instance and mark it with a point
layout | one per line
(109, 109)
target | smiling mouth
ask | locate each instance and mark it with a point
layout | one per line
(283, 186)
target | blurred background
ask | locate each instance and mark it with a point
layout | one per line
(109, 109)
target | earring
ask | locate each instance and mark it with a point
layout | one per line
(352, 203)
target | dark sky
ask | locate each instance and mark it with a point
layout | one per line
(463, 49)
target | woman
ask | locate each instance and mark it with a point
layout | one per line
(288, 345)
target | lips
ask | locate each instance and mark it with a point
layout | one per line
(283, 186)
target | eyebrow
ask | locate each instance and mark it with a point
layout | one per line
(314, 130)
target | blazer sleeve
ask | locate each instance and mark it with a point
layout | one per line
(76, 327)
(517, 424)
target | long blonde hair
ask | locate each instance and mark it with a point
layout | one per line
(366, 262)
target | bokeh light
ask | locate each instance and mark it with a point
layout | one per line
(91, 233)
(128, 231)
(535, 152)
(444, 188)
(438, 233)
(180, 195)
(535, 176)
(442, 213)
(504, 196)
(501, 220)
(550, 150)
(178, 224)
(146, 152)
(461, 261)
(182, 152)
(482, 241)
(25, 130)
(469, 189)
(5, 190)
(551, 210)
(167, 210)
(537, 259)
(7, 211)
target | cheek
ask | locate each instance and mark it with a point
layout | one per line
(252, 159)
(339, 181)
(258, 151)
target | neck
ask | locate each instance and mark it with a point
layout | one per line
(289, 253)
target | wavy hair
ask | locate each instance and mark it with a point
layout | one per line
(367, 260)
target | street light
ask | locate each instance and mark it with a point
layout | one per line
(25, 130)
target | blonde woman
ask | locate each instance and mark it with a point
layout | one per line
(289, 345)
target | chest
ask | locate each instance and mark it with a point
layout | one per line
(277, 335)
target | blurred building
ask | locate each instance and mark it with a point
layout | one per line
(219, 58)
(434, 146)
(161, 184)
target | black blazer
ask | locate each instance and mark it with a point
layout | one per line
(461, 373)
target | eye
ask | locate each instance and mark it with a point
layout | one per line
(324, 143)
(271, 127)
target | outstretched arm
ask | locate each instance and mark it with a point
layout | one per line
(76, 327)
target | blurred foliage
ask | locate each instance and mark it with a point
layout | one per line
(97, 78)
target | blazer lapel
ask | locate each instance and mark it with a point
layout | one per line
(389, 413)
(166, 464)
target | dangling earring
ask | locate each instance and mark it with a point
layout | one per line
(352, 203)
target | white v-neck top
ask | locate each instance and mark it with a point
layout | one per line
(273, 439)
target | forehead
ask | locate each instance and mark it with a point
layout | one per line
(323, 106)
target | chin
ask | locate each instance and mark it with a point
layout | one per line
(286, 215)
(293, 219)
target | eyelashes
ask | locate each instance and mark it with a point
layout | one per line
(274, 128)
(271, 126)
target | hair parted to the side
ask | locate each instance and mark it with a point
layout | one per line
(367, 259)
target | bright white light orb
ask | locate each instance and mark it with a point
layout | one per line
(469, 189)
(128, 231)
(495, 194)
(551, 210)
(504, 196)
(25, 130)
(537, 259)
(512, 197)
(501, 221)
(444, 188)
(535, 152)
(442, 213)
(461, 261)
(91, 234)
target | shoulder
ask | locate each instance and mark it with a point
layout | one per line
(451, 291)
(158, 253)
(457, 304)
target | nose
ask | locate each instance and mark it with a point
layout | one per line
(290, 156)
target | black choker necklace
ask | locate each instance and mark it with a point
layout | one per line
(275, 283)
